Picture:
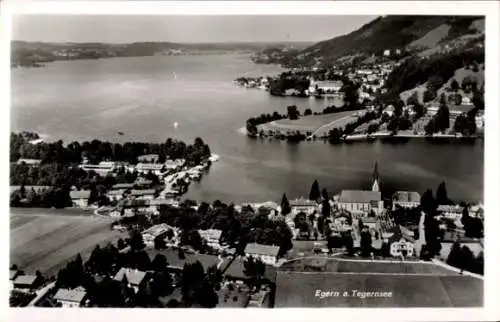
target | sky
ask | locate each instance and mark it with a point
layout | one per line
(184, 29)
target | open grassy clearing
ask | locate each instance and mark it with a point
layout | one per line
(310, 123)
(45, 241)
(321, 264)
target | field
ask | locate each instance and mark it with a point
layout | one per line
(45, 239)
(295, 289)
(321, 264)
(311, 123)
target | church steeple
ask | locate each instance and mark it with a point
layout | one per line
(376, 179)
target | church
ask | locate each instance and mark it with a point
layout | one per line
(362, 202)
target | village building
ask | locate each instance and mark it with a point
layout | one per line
(70, 298)
(80, 198)
(103, 168)
(325, 86)
(361, 201)
(115, 195)
(13, 274)
(268, 254)
(401, 248)
(143, 193)
(122, 186)
(29, 162)
(389, 110)
(142, 182)
(157, 231)
(27, 283)
(212, 237)
(147, 167)
(135, 278)
(148, 158)
(303, 205)
(405, 199)
(451, 211)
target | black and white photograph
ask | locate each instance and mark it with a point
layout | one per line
(248, 161)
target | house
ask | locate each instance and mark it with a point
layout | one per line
(150, 234)
(303, 205)
(70, 298)
(135, 278)
(147, 167)
(266, 253)
(102, 168)
(361, 201)
(13, 273)
(387, 53)
(115, 195)
(405, 199)
(328, 86)
(451, 211)
(29, 162)
(122, 186)
(27, 283)
(143, 182)
(148, 158)
(401, 247)
(143, 193)
(80, 198)
(212, 236)
(389, 110)
(466, 101)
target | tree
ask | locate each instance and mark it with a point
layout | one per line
(285, 206)
(442, 195)
(428, 202)
(136, 241)
(455, 256)
(192, 277)
(454, 85)
(324, 194)
(308, 111)
(255, 269)
(315, 194)
(429, 95)
(293, 112)
(159, 263)
(326, 208)
(159, 243)
(366, 243)
(413, 99)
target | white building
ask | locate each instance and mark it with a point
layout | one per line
(80, 198)
(29, 162)
(135, 278)
(303, 205)
(147, 167)
(361, 201)
(268, 254)
(405, 199)
(325, 86)
(212, 237)
(102, 168)
(150, 234)
(401, 248)
(71, 298)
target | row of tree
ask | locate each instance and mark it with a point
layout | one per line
(96, 151)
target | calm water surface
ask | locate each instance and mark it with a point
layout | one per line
(144, 96)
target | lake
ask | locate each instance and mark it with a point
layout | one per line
(144, 96)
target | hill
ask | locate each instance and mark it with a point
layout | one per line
(394, 32)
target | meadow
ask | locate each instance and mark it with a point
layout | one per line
(45, 239)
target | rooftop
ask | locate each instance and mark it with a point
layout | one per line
(134, 276)
(142, 192)
(361, 196)
(122, 186)
(262, 249)
(406, 196)
(25, 279)
(80, 194)
(70, 295)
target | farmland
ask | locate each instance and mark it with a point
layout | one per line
(322, 264)
(44, 239)
(311, 123)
